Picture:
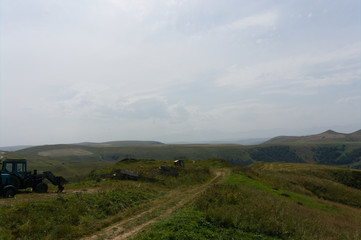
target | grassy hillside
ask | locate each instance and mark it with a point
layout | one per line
(325, 137)
(266, 200)
(155, 151)
(324, 153)
(76, 161)
(94, 203)
(293, 190)
(63, 158)
(271, 201)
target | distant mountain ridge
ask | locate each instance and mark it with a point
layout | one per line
(86, 144)
(14, 148)
(328, 136)
(245, 141)
(119, 143)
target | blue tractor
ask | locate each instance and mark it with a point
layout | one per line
(6, 188)
(14, 176)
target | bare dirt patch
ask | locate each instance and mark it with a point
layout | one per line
(271, 166)
(65, 152)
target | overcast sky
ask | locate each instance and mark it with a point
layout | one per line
(177, 70)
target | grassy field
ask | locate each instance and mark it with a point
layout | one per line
(266, 200)
(274, 191)
(259, 202)
(93, 204)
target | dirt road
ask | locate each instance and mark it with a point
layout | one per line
(159, 209)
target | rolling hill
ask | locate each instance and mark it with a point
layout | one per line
(325, 137)
(79, 160)
(74, 161)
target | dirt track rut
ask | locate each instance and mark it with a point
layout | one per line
(159, 209)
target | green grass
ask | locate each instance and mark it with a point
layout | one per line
(69, 216)
(337, 184)
(257, 211)
(247, 181)
(191, 223)
(244, 206)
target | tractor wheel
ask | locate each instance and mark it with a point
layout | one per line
(9, 191)
(41, 187)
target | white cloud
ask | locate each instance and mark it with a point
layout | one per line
(268, 19)
(351, 101)
(339, 67)
(100, 101)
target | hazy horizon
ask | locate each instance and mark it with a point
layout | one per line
(105, 70)
(241, 138)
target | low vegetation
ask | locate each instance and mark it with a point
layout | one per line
(69, 216)
(259, 202)
(265, 200)
(275, 154)
(192, 223)
(92, 204)
(336, 184)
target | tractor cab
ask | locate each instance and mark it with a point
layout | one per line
(14, 166)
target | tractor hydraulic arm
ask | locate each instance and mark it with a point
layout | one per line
(56, 180)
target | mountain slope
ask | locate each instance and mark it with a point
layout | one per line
(325, 137)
